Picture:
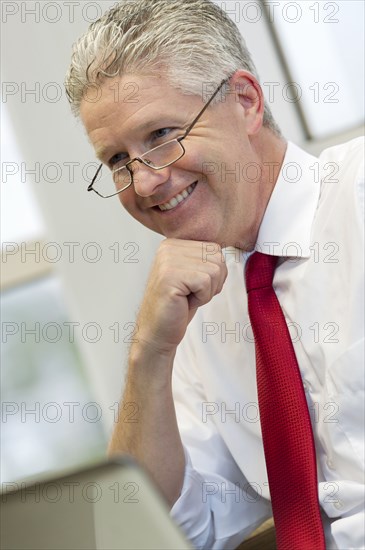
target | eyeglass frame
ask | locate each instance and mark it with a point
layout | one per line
(139, 159)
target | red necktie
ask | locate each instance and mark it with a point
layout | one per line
(284, 416)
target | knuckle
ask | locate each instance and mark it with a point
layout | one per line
(216, 270)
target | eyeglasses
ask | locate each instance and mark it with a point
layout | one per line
(106, 185)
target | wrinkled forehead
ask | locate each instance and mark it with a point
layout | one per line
(126, 107)
(134, 93)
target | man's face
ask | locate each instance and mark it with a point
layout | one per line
(222, 201)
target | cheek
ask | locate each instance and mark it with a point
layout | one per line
(127, 200)
(130, 205)
(199, 158)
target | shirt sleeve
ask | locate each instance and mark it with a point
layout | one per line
(217, 508)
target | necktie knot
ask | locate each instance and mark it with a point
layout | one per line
(260, 270)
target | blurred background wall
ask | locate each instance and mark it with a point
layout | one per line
(73, 265)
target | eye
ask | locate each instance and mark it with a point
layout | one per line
(120, 159)
(162, 132)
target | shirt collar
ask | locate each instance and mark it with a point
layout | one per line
(285, 229)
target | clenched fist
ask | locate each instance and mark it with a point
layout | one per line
(185, 275)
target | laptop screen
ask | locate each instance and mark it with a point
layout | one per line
(113, 505)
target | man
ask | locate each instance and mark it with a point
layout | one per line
(173, 153)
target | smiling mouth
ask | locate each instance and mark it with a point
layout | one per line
(178, 199)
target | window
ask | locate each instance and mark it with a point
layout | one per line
(322, 47)
(45, 397)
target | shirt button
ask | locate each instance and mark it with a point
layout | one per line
(307, 386)
(330, 464)
(338, 504)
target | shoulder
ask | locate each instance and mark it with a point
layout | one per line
(348, 156)
(344, 165)
(352, 148)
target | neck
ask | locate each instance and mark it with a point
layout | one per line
(270, 150)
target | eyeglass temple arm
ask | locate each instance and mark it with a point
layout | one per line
(205, 107)
(90, 187)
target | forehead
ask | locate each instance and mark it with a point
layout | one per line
(129, 105)
(132, 97)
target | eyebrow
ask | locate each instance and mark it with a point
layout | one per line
(102, 151)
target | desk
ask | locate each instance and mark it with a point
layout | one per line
(261, 539)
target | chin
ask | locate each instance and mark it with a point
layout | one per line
(189, 234)
(202, 232)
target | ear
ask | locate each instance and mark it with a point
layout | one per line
(248, 94)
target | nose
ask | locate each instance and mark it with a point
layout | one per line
(146, 180)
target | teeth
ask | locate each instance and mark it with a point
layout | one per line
(178, 199)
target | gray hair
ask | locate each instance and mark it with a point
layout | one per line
(190, 42)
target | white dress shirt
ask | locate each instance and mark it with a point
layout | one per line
(314, 219)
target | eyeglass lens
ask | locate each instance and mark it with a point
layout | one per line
(108, 184)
